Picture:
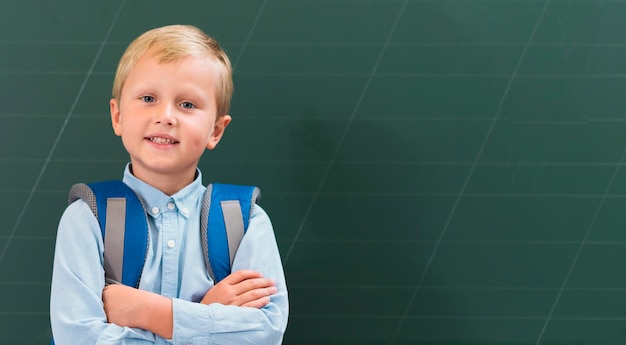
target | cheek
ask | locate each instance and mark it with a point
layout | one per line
(133, 120)
(200, 132)
(131, 130)
(129, 127)
(202, 137)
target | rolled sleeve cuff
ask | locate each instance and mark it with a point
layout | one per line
(192, 323)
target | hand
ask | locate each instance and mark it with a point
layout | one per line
(129, 307)
(243, 288)
(120, 304)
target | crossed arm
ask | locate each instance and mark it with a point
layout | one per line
(84, 311)
(129, 307)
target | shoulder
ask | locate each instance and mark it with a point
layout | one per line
(78, 209)
(78, 222)
(260, 221)
(258, 211)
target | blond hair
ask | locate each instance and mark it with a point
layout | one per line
(171, 43)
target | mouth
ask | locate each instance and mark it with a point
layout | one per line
(162, 140)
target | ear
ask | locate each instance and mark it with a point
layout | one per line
(116, 120)
(218, 131)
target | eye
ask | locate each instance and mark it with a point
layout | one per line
(188, 105)
(148, 99)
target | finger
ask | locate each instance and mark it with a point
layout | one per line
(256, 294)
(254, 284)
(241, 275)
(245, 286)
(258, 304)
(249, 285)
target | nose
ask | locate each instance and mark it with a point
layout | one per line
(165, 115)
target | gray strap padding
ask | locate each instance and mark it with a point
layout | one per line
(114, 238)
(82, 191)
(233, 220)
(204, 219)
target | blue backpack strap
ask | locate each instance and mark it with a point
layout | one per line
(124, 227)
(224, 220)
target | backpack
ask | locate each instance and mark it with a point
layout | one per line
(123, 221)
(224, 219)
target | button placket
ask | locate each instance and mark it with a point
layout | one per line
(170, 251)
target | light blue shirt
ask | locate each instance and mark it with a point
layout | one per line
(174, 268)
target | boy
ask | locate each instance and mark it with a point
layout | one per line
(171, 98)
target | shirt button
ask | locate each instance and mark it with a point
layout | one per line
(185, 211)
(155, 210)
(171, 243)
(170, 205)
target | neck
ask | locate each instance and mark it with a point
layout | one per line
(169, 184)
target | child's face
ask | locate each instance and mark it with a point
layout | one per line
(167, 116)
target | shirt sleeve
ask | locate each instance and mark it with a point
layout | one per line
(76, 310)
(232, 325)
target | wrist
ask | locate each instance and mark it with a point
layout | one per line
(157, 315)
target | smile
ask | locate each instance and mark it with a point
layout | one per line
(160, 140)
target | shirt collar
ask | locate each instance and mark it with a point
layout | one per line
(156, 202)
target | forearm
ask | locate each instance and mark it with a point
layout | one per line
(159, 317)
(76, 310)
(227, 325)
(77, 317)
(130, 307)
(191, 322)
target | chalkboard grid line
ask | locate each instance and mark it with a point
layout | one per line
(580, 249)
(469, 175)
